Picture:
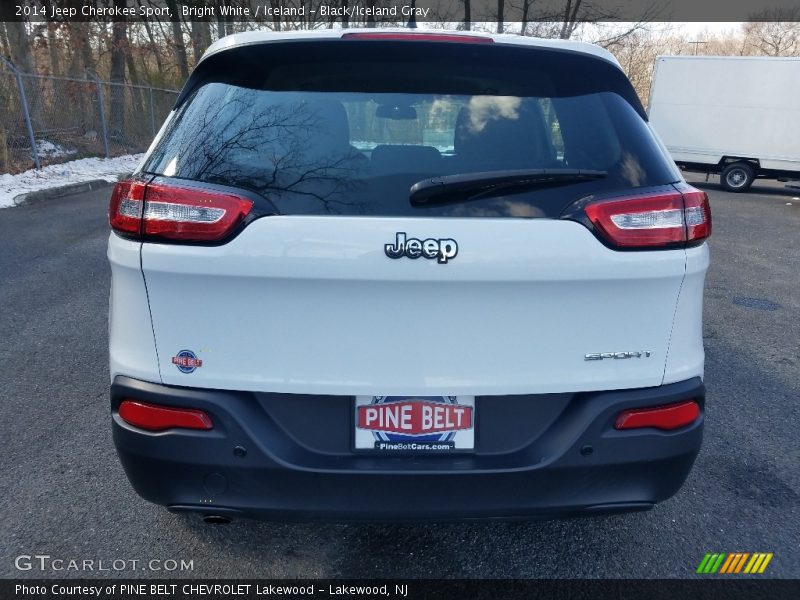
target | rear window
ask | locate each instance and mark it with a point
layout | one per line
(347, 128)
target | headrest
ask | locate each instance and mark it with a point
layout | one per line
(332, 128)
(509, 138)
(407, 158)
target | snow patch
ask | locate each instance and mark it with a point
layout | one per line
(76, 171)
(47, 149)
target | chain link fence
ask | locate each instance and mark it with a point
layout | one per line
(46, 119)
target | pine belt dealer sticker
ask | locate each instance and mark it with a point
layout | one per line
(187, 361)
(415, 423)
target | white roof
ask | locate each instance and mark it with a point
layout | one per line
(266, 36)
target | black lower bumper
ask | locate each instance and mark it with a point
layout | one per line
(285, 456)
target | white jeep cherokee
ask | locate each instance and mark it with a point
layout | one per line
(379, 274)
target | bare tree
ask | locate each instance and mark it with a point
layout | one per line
(4, 47)
(80, 35)
(154, 47)
(501, 5)
(222, 30)
(523, 26)
(119, 50)
(19, 45)
(276, 18)
(570, 21)
(177, 39)
(775, 32)
(52, 47)
(637, 52)
(201, 38)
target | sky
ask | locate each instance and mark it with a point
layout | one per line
(714, 28)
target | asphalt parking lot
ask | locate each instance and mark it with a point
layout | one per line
(65, 494)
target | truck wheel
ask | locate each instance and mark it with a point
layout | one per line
(737, 177)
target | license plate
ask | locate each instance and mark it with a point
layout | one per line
(425, 424)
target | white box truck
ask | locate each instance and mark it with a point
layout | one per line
(737, 116)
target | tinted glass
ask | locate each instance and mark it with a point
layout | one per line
(314, 143)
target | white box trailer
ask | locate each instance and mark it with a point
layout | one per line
(737, 116)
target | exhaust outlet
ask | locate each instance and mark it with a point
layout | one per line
(213, 515)
(216, 519)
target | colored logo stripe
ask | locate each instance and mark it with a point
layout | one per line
(732, 558)
(758, 563)
(734, 562)
(740, 564)
(710, 563)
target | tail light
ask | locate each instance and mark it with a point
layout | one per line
(419, 37)
(153, 417)
(698, 215)
(671, 416)
(167, 212)
(125, 210)
(666, 219)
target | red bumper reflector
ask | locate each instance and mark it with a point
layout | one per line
(671, 416)
(158, 418)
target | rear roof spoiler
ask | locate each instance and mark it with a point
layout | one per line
(246, 43)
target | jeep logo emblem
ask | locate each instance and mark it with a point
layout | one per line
(442, 249)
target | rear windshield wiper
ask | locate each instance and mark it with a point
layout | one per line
(464, 187)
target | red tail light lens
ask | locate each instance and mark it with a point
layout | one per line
(636, 222)
(420, 37)
(153, 417)
(698, 215)
(126, 208)
(671, 416)
(668, 219)
(169, 212)
(175, 213)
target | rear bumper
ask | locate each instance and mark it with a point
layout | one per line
(536, 456)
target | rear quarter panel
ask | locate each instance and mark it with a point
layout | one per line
(132, 349)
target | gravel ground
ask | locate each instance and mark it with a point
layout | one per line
(66, 495)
